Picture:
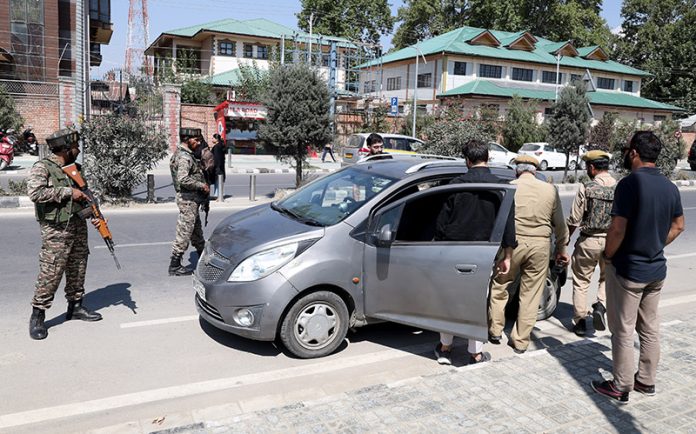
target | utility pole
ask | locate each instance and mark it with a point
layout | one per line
(311, 22)
(558, 76)
(415, 87)
(282, 49)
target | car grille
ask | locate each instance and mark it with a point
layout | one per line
(209, 273)
(210, 310)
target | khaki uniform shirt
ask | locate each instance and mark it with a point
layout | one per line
(577, 210)
(538, 211)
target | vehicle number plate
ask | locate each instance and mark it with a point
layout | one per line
(349, 155)
(200, 289)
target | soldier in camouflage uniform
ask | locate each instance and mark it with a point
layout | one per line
(591, 212)
(64, 246)
(191, 192)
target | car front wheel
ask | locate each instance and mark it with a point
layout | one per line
(572, 165)
(315, 325)
(543, 165)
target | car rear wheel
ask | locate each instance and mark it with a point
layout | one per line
(512, 162)
(543, 165)
(315, 325)
(547, 304)
(572, 165)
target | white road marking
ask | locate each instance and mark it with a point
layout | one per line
(677, 300)
(157, 243)
(685, 255)
(134, 324)
(147, 396)
(689, 208)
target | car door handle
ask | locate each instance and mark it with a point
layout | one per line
(466, 268)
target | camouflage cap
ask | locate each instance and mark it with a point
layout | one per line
(527, 159)
(596, 155)
(62, 139)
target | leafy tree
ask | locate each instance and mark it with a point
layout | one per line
(375, 119)
(119, 150)
(9, 116)
(602, 133)
(195, 91)
(452, 129)
(570, 122)
(254, 82)
(660, 37)
(360, 20)
(298, 114)
(424, 19)
(423, 122)
(520, 124)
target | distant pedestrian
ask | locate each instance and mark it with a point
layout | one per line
(647, 215)
(328, 149)
(218, 147)
(470, 217)
(64, 247)
(591, 211)
(538, 215)
(191, 192)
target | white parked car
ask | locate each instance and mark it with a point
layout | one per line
(548, 156)
(498, 154)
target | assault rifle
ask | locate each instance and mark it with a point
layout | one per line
(92, 211)
(206, 209)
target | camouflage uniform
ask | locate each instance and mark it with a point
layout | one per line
(64, 247)
(189, 182)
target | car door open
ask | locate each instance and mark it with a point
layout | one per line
(437, 285)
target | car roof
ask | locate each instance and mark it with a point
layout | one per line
(389, 135)
(402, 168)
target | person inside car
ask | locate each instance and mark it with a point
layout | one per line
(375, 144)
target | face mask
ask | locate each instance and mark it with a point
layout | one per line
(627, 161)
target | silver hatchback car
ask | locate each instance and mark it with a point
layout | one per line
(351, 248)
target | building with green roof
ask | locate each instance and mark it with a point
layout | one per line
(478, 67)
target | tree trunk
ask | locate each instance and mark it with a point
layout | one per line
(298, 167)
(565, 169)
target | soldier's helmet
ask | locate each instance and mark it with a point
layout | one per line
(62, 140)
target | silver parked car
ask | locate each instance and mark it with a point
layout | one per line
(351, 248)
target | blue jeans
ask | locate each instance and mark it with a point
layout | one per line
(327, 151)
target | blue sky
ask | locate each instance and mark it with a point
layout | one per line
(171, 14)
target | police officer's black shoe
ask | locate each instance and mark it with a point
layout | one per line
(37, 328)
(77, 311)
(580, 327)
(599, 319)
(176, 269)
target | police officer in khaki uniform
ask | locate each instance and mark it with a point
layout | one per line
(591, 211)
(64, 248)
(538, 214)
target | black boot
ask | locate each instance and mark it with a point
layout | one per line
(37, 328)
(77, 311)
(176, 269)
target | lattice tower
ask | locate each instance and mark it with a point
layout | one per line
(138, 37)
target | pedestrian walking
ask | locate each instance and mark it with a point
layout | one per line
(64, 248)
(591, 212)
(191, 192)
(328, 149)
(218, 149)
(470, 217)
(646, 215)
(538, 215)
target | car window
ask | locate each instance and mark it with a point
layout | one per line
(529, 147)
(402, 145)
(334, 197)
(496, 147)
(414, 145)
(549, 148)
(356, 141)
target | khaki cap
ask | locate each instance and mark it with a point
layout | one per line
(527, 159)
(596, 155)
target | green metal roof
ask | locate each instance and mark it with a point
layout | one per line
(228, 78)
(457, 42)
(489, 88)
(259, 27)
(584, 51)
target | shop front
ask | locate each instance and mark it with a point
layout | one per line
(238, 123)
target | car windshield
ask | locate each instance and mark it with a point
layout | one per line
(529, 147)
(333, 197)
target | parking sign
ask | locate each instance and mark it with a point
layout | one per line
(394, 106)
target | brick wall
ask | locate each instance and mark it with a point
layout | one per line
(41, 113)
(171, 96)
(199, 116)
(66, 89)
(5, 25)
(51, 53)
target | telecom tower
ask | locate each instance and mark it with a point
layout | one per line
(138, 39)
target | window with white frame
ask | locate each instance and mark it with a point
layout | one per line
(370, 86)
(459, 68)
(425, 80)
(262, 52)
(605, 83)
(575, 77)
(490, 71)
(394, 83)
(549, 77)
(628, 86)
(226, 48)
(248, 51)
(522, 74)
(659, 118)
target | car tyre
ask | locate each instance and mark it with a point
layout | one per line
(512, 162)
(547, 305)
(692, 166)
(543, 165)
(572, 165)
(315, 325)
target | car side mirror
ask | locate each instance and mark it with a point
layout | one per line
(384, 237)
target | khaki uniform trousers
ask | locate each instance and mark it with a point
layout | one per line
(530, 259)
(633, 306)
(586, 256)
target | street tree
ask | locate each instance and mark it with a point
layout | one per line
(569, 124)
(660, 37)
(298, 114)
(119, 150)
(602, 133)
(196, 91)
(358, 20)
(9, 116)
(375, 119)
(452, 128)
(253, 82)
(520, 124)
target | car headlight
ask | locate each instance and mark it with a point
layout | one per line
(263, 263)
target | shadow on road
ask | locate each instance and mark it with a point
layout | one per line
(267, 349)
(116, 294)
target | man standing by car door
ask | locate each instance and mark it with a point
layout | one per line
(647, 215)
(538, 214)
(470, 217)
(591, 211)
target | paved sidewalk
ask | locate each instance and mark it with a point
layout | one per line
(541, 391)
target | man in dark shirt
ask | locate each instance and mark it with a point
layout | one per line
(647, 215)
(470, 217)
